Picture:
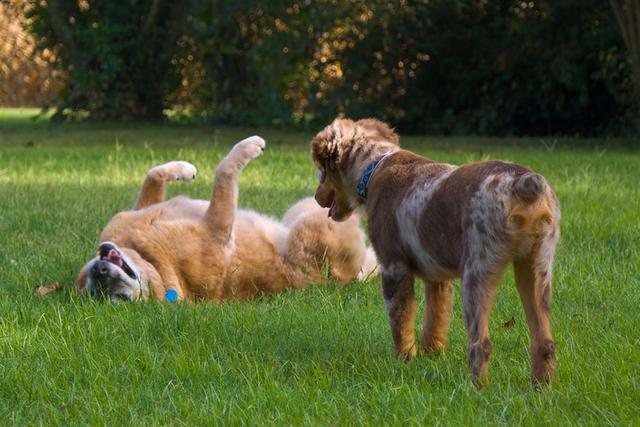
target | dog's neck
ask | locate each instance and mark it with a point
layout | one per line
(147, 274)
(369, 170)
(143, 282)
(364, 167)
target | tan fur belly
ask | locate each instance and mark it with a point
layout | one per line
(256, 264)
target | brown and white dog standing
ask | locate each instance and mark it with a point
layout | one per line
(438, 222)
(184, 249)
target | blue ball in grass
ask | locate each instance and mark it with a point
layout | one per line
(171, 295)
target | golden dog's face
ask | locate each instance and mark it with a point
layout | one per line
(112, 275)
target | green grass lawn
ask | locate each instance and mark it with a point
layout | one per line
(318, 356)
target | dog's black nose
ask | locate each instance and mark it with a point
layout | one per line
(100, 269)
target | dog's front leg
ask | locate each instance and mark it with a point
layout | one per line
(165, 279)
(224, 198)
(154, 185)
(399, 298)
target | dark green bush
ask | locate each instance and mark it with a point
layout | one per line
(490, 67)
(486, 67)
(118, 53)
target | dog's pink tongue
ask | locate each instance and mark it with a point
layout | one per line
(332, 208)
(114, 257)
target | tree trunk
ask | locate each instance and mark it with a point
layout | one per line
(63, 34)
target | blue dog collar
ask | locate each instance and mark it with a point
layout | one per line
(361, 189)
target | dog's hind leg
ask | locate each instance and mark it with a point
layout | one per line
(478, 290)
(154, 185)
(316, 241)
(437, 314)
(533, 280)
(399, 298)
(220, 215)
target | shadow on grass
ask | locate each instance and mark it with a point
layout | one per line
(26, 128)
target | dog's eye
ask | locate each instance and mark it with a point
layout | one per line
(322, 175)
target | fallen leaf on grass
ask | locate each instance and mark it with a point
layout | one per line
(510, 323)
(41, 291)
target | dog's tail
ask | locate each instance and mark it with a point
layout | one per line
(529, 187)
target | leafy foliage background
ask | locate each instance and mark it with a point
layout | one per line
(26, 75)
(488, 67)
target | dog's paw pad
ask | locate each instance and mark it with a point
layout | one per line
(251, 147)
(185, 171)
(177, 170)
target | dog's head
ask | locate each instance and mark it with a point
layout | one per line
(341, 152)
(115, 274)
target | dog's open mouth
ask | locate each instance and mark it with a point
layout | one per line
(332, 208)
(331, 204)
(110, 253)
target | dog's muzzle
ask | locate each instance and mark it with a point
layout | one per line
(113, 277)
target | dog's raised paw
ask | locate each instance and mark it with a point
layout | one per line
(177, 170)
(251, 147)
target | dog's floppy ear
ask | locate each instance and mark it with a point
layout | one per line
(381, 129)
(326, 147)
(81, 280)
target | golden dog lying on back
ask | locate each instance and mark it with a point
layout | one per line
(184, 249)
(440, 221)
